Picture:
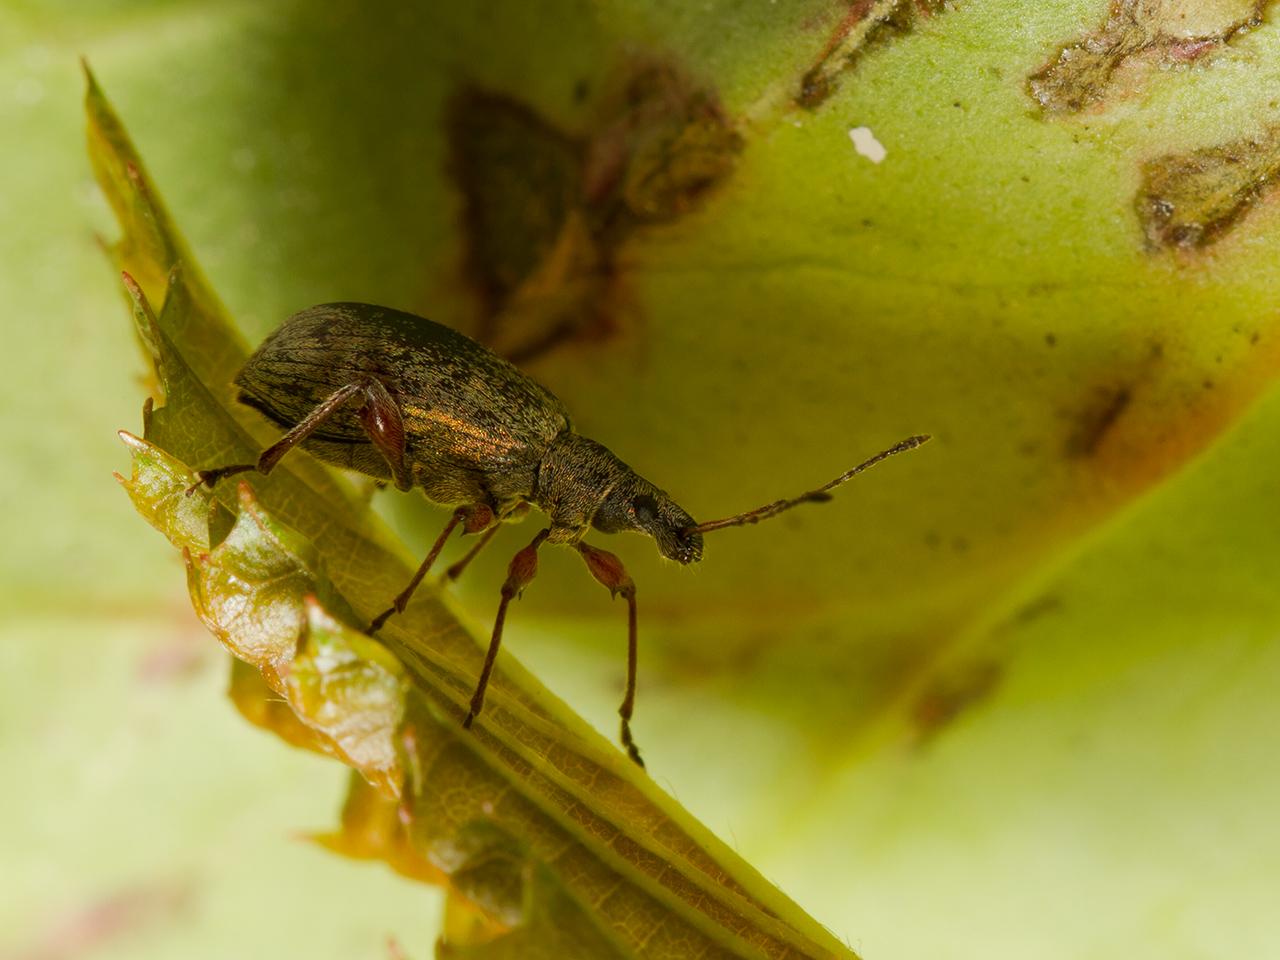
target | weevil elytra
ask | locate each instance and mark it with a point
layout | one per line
(409, 401)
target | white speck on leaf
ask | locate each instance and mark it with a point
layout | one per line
(865, 142)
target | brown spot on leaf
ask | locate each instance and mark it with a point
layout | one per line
(519, 178)
(545, 211)
(1189, 200)
(659, 145)
(1084, 71)
(1035, 609)
(1096, 419)
(951, 694)
(863, 25)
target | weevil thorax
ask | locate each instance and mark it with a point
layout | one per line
(582, 484)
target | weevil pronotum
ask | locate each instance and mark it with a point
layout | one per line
(409, 401)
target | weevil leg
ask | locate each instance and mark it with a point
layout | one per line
(455, 571)
(380, 416)
(523, 568)
(609, 571)
(402, 598)
(271, 456)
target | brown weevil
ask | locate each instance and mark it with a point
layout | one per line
(414, 403)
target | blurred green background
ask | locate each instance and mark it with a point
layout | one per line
(1013, 700)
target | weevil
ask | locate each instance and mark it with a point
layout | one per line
(417, 404)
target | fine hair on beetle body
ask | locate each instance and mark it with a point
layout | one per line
(417, 404)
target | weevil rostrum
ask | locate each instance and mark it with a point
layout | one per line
(409, 401)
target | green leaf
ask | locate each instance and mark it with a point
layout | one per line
(1012, 698)
(150, 248)
(537, 820)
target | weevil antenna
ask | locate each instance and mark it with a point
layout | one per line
(819, 495)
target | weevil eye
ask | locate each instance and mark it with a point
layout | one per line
(645, 509)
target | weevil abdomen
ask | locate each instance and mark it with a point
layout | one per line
(473, 423)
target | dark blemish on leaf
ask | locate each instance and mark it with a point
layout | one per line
(1050, 340)
(1255, 338)
(952, 694)
(545, 210)
(1096, 421)
(1190, 200)
(1159, 32)
(519, 178)
(1037, 608)
(865, 24)
(656, 148)
(970, 683)
(530, 256)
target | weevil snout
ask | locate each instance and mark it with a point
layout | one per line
(670, 526)
(636, 504)
(688, 545)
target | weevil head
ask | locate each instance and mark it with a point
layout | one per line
(636, 504)
(581, 483)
